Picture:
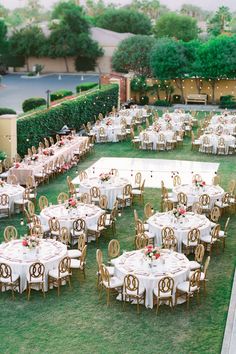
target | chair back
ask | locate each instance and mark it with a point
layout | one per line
(37, 271)
(206, 265)
(43, 202)
(95, 192)
(64, 235)
(176, 180)
(204, 199)
(166, 286)
(103, 202)
(105, 274)
(139, 226)
(193, 236)
(83, 175)
(148, 210)
(10, 233)
(81, 242)
(4, 200)
(215, 214)
(127, 190)
(12, 179)
(138, 178)
(169, 242)
(37, 230)
(182, 198)
(131, 284)
(85, 198)
(5, 271)
(83, 256)
(31, 208)
(215, 231)
(113, 249)
(99, 258)
(79, 225)
(54, 224)
(64, 266)
(194, 280)
(141, 241)
(197, 208)
(29, 182)
(199, 253)
(62, 198)
(167, 231)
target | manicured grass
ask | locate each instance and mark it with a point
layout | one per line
(78, 322)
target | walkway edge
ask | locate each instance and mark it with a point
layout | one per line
(229, 341)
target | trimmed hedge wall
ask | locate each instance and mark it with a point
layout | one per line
(4, 110)
(86, 86)
(58, 95)
(32, 129)
(32, 103)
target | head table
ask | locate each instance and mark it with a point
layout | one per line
(49, 252)
(15, 193)
(111, 188)
(193, 193)
(170, 264)
(88, 212)
(181, 226)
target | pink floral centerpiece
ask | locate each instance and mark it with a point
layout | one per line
(167, 118)
(152, 253)
(30, 242)
(198, 182)
(104, 177)
(17, 165)
(34, 157)
(109, 122)
(179, 211)
(60, 143)
(48, 152)
(157, 127)
(71, 203)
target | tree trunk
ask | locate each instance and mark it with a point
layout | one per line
(179, 84)
(198, 84)
(213, 84)
(66, 64)
(27, 64)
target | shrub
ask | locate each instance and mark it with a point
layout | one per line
(144, 100)
(4, 110)
(86, 86)
(162, 103)
(58, 95)
(176, 99)
(32, 129)
(32, 103)
(3, 155)
(227, 102)
(31, 73)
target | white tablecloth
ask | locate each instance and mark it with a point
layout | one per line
(170, 264)
(193, 193)
(176, 126)
(223, 119)
(111, 188)
(224, 128)
(214, 139)
(181, 227)
(15, 192)
(154, 136)
(88, 212)
(49, 252)
(110, 130)
(29, 168)
(178, 117)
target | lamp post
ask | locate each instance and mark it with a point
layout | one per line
(48, 98)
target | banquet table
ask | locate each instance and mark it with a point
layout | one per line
(88, 212)
(111, 188)
(214, 140)
(170, 263)
(49, 252)
(111, 130)
(223, 119)
(175, 126)
(181, 226)
(224, 128)
(154, 136)
(178, 117)
(28, 167)
(15, 193)
(193, 193)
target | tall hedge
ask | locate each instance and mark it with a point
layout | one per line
(32, 129)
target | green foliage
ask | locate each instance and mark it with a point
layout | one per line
(3, 155)
(144, 100)
(228, 101)
(58, 95)
(32, 129)
(61, 7)
(4, 110)
(86, 86)
(13, 60)
(162, 103)
(176, 26)
(124, 20)
(219, 22)
(151, 8)
(133, 54)
(3, 37)
(85, 64)
(32, 103)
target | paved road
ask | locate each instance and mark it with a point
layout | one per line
(15, 90)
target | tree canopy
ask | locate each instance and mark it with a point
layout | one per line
(133, 54)
(3, 36)
(176, 26)
(124, 20)
(219, 22)
(151, 8)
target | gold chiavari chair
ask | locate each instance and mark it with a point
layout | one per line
(54, 227)
(99, 259)
(4, 204)
(164, 292)
(37, 230)
(139, 192)
(176, 180)
(80, 263)
(110, 284)
(141, 241)
(224, 204)
(78, 229)
(205, 200)
(148, 210)
(43, 202)
(127, 197)
(169, 240)
(62, 198)
(96, 231)
(182, 198)
(133, 290)
(141, 229)
(187, 289)
(113, 249)
(10, 233)
(103, 202)
(193, 239)
(198, 257)
(76, 253)
(137, 180)
(95, 194)
(213, 238)
(57, 276)
(12, 179)
(9, 279)
(36, 277)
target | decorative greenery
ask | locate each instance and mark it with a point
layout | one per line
(3, 155)
(228, 101)
(86, 86)
(176, 26)
(33, 128)
(144, 100)
(32, 103)
(4, 110)
(58, 95)
(124, 20)
(162, 103)
(133, 54)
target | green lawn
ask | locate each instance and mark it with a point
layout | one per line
(78, 322)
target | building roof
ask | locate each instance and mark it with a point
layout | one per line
(108, 38)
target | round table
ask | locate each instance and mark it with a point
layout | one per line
(154, 136)
(88, 212)
(49, 252)
(111, 188)
(15, 192)
(110, 130)
(214, 139)
(181, 226)
(176, 126)
(170, 263)
(178, 117)
(223, 119)
(193, 193)
(228, 127)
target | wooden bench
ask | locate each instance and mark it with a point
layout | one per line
(196, 97)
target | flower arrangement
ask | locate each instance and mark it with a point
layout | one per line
(71, 203)
(198, 182)
(152, 253)
(180, 210)
(17, 165)
(109, 122)
(48, 152)
(30, 242)
(104, 177)
(60, 143)
(167, 118)
(157, 128)
(34, 157)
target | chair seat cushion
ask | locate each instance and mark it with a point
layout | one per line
(75, 263)
(111, 270)
(191, 244)
(136, 192)
(207, 239)
(114, 283)
(21, 201)
(34, 280)
(194, 265)
(168, 294)
(133, 293)
(202, 277)
(221, 205)
(221, 233)
(15, 276)
(184, 287)
(74, 253)
(54, 274)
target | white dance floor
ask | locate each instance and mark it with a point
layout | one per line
(154, 170)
